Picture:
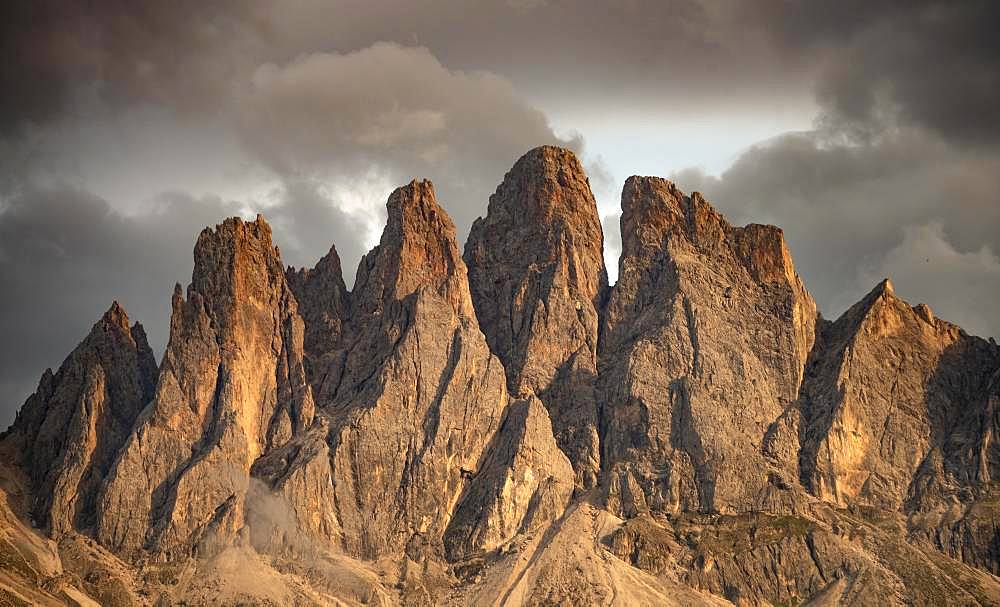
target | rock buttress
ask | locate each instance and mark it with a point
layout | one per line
(705, 338)
(525, 483)
(536, 270)
(232, 386)
(420, 395)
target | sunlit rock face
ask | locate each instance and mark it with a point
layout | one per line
(704, 341)
(231, 387)
(419, 395)
(901, 410)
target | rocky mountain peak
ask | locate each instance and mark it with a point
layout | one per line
(115, 324)
(233, 260)
(232, 386)
(116, 316)
(655, 202)
(536, 271)
(546, 183)
(653, 207)
(327, 271)
(413, 392)
(418, 249)
(679, 352)
(323, 303)
(882, 313)
(70, 430)
(890, 394)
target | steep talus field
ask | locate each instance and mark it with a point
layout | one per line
(496, 425)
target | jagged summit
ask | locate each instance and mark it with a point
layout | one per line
(231, 386)
(418, 249)
(116, 315)
(547, 183)
(887, 386)
(536, 271)
(233, 259)
(882, 311)
(414, 393)
(680, 349)
(653, 207)
(69, 432)
(648, 199)
(328, 267)
(500, 426)
(323, 302)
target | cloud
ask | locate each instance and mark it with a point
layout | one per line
(927, 63)
(635, 54)
(393, 111)
(611, 225)
(64, 256)
(908, 135)
(308, 217)
(193, 56)
(182, 54)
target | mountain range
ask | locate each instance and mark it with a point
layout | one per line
(499, 426)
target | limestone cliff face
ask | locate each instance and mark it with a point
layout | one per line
(232, 386)
(704, 342)
(954, 499)
(70, 430)
(900, 411)
(525, 483)
(290, 500)
(419, 394)
(536, 270)
(881, 396)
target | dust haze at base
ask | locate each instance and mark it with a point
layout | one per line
(501, 427)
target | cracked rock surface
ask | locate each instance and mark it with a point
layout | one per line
(536, 269)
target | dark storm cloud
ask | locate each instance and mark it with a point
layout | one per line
(929, 63)
(637, 54)
(364, 107)
(181, 53)
(901, 175)
(64, 256)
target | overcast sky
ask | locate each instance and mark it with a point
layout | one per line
(868, 129)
